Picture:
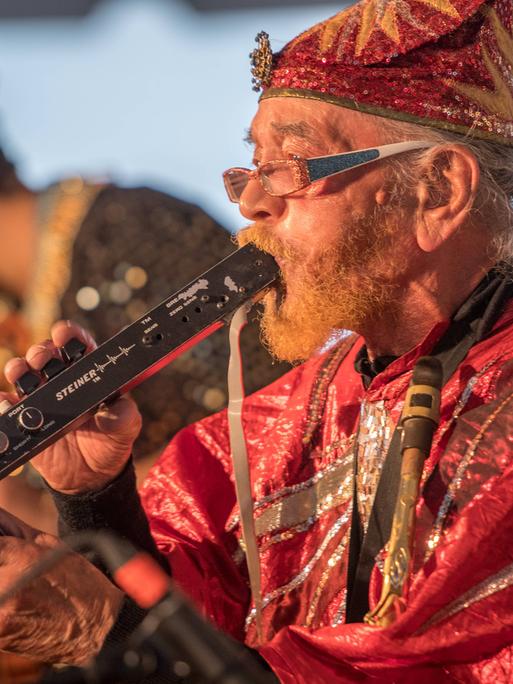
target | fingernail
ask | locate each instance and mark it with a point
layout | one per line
(40, 347)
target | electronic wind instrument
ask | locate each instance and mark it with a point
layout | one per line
(80, 383)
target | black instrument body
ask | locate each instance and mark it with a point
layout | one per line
(132, 355)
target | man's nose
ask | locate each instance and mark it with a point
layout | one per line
(256, 205)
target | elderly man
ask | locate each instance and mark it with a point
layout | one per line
(382, 185)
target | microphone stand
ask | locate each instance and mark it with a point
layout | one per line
(172, 643)
(121, 666)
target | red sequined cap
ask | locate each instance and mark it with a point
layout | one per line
(441, 63)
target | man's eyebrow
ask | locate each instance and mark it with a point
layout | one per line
(298, 129)
(248, 137)
(305, 131)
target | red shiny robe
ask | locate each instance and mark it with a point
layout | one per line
(301, 433)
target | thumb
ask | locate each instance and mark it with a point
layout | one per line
(12, 526)
(121, 419)
(46, 540)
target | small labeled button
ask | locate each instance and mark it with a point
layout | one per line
(73, 350)
(4, 442)
(27, 383)
(30, 419)
(52, 368)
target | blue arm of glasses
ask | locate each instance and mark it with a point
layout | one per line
(322, 167)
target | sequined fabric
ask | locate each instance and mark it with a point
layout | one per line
(459, 620)
(373, 439)
(134, 247)
(445, 64)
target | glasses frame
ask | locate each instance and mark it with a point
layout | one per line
(309, 170)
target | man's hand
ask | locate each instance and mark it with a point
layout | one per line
(61, 617)
(94, 454)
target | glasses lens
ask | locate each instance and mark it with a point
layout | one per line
(235, 180)
(278, 178)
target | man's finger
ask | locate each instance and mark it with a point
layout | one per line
(38, 355)
(46, 540)
(15, 368)
(63, 331)
(12, 526)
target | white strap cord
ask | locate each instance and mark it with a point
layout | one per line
(241, 463)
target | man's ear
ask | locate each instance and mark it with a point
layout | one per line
(446, 192)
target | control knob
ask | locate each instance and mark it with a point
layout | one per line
(30, 419)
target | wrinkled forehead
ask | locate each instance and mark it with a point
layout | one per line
(314, 122)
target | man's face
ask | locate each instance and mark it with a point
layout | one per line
(336, 241)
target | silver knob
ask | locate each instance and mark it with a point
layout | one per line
(30, 419)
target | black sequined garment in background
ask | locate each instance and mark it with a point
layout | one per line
(134, 247)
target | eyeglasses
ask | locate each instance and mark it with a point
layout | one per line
(282, 177)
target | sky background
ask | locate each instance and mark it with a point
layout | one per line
(143, 92)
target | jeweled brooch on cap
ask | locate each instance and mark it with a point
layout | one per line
(261, 62)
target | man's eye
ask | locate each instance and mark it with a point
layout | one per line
(294, 153)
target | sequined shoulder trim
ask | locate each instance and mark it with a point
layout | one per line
(318, 396)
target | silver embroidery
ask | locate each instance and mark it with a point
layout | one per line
(239, 555)
(333, 560)
(456, 482)
(344, 443)
(340, 616)
(288, 534)
(373, 439)
(465, 396)
(305, 572)
(498, 582)
(331, 491)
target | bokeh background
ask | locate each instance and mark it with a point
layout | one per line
(139, 91)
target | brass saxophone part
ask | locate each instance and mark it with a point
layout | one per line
(418, 421)
(400, 546)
